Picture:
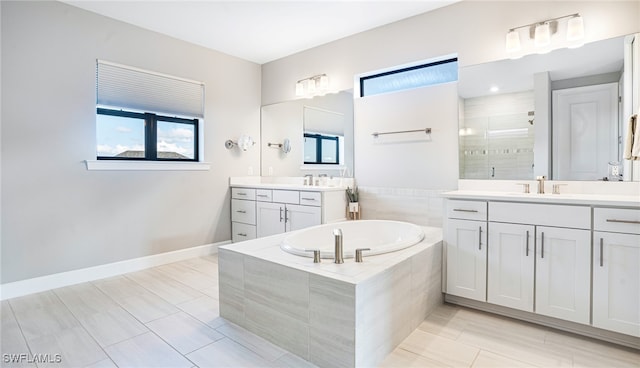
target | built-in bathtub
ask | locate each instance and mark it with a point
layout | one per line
(380, 236)
(333, 315)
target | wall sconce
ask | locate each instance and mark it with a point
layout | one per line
(312, 86)
(541, 32)
(244, 142)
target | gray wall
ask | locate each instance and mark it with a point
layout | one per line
(56, 215)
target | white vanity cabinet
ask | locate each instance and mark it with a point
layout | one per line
(277, 218)
(563, 270)
(559, 267)
(243, 214)
(616, 270)
(511, 259)
(273, 211)
(465, 238)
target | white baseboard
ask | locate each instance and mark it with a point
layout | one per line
(54, 281)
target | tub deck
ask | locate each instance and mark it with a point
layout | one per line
(333, 315)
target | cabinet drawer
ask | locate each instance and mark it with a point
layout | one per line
(311, 198)
(243, 193)
(467, 210)
(617, 220)
(577, 217)
(286, 196)
(263, 195)
(243, 211)
(242, 232)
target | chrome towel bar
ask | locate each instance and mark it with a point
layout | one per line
(425, 130)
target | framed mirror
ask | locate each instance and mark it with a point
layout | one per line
(554, 114)
(320, 133)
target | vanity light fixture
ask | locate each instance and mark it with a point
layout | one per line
(542, 32)
(312, 86)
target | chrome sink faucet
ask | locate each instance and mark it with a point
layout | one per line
(337, 235)
(308, 179)
(541, 180)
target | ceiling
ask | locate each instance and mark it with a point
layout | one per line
(259, 31)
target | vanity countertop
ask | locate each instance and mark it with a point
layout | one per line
(306, 188)
(569, 198)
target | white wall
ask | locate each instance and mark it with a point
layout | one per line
(56, 215)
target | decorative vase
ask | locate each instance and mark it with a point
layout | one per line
(354, 210)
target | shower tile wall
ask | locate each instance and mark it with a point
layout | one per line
(496, 136)
(418, 206)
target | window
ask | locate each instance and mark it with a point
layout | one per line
(125, 135)
(146, 116)
(321, 149)
(437, 72)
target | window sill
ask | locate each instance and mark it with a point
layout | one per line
(146, 165)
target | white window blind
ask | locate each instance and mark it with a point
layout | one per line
(122, 86)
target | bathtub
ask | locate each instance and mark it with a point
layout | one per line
(382, 236)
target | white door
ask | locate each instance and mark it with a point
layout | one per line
(585, 131)
(466, 245)
(563, 273)
(298, 217)
(269, 218)
(511, 260)
(616, 282)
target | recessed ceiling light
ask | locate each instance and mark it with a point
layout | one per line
(494, 89)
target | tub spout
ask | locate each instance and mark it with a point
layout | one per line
(337, 235)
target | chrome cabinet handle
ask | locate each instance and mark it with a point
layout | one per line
(601, 246)
(240, 193)
(624, 221)
(308, 199)
(463, 210)
(241, 211)
(280, 214)
(241, 234)
(286, 215)
(262, 195)
(542, 245)
(527, 246)
(480, 238)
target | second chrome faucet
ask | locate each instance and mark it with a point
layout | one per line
(337, 235)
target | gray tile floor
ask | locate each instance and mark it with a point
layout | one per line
(168, 316)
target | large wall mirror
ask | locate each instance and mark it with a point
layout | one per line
(555, 114)
(320, 132)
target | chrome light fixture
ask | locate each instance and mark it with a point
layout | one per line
(541, 34)
(312, 86)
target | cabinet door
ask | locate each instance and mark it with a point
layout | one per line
(299, 217)
(563, 274)
(270, 218)
(466, 248)
(616, 282)
(511, 256)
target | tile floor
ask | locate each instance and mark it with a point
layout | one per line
(167, 316)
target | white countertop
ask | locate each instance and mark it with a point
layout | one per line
(290, 183)
(284, 186)
(571, 198)
(268, 248)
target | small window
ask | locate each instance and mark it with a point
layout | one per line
(438, 72)
(321, 149)
(126, 135)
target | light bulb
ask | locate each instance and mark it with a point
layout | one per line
(513, 41)
(299, 89)
(542, 35)
(324, 82)
(311, 86)
(575, 28)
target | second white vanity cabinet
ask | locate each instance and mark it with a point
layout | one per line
(556, 264)
(280, 211)
(616, 270)
(259, 212)
(465, 238)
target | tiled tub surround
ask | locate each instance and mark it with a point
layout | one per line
(333, 315)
